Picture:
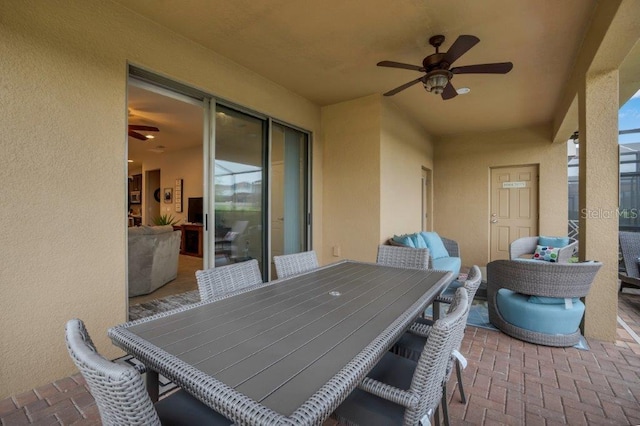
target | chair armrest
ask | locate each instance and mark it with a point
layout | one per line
(402, 397)
(452, 247)
(420, 329)
(566, 253)
(525, 245)
(140, 368)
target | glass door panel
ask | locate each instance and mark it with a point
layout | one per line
(239, 196)
(289, 207)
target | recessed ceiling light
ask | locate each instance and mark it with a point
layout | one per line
(149, 136)
(463, 91)
(129, 161)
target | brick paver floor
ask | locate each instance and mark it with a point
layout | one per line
(507, 382)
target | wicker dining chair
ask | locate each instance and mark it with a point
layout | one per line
(411, 343)
(296, 263)
(630, 249)
(120, 392)
(220, 280)
(403, 257)
(402, 391)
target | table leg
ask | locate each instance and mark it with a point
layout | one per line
(153, 385)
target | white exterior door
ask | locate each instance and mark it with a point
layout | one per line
(514, 207)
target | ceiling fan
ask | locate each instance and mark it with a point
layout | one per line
(133, 127)
(438, 75)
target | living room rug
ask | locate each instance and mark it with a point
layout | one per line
(168, 303)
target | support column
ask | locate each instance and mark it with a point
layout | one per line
(599, 199)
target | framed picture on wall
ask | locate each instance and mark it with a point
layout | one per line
(168, 195)
(135, 197)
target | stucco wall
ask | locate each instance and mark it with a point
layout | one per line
(351, 200)
(462, 183)
(64, 170)
(405, 149)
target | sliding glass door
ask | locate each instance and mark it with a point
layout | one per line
(240, 141)
(289, 206)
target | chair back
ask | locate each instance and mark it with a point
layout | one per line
(630, 247)
(403, 257)
(221, 280)
(527, 245)
(473, 281)
(540, 278)
(433, 365)
(296, 263)
(119, 391)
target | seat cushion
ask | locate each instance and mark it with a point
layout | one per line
(180, 408)
(435, 244)
(516, 309)
(409, 346)
(447, 264)
(363, 408)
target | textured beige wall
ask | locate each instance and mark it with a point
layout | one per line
(351, 200)
(462, 182)
(63, 166)
(405, 149)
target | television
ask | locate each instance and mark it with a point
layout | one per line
(194, 212)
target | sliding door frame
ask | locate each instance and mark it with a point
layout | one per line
(209, 103)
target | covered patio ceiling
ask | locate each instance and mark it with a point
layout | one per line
(327, 51)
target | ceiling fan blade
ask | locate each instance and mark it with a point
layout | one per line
(626, 132)
(449, 92)
(404, 86)
(400, 65)
(137, 135)
(460, 47)
(145, 128)
(497, 68)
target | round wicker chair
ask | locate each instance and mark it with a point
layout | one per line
(538, 278)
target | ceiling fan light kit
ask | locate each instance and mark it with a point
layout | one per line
(437, 80)
(438, 74)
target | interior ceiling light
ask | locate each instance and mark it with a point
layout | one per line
(149, 136)
(436, 81)
(129, 161)
(463, 91)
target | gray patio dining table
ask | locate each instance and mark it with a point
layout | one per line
(289, 351)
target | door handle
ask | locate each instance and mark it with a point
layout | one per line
(494, 220)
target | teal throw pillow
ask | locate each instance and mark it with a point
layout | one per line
(435, 245)
(405, 240)
(418, 241)
(553, 241)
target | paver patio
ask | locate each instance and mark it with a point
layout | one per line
(507, 382)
